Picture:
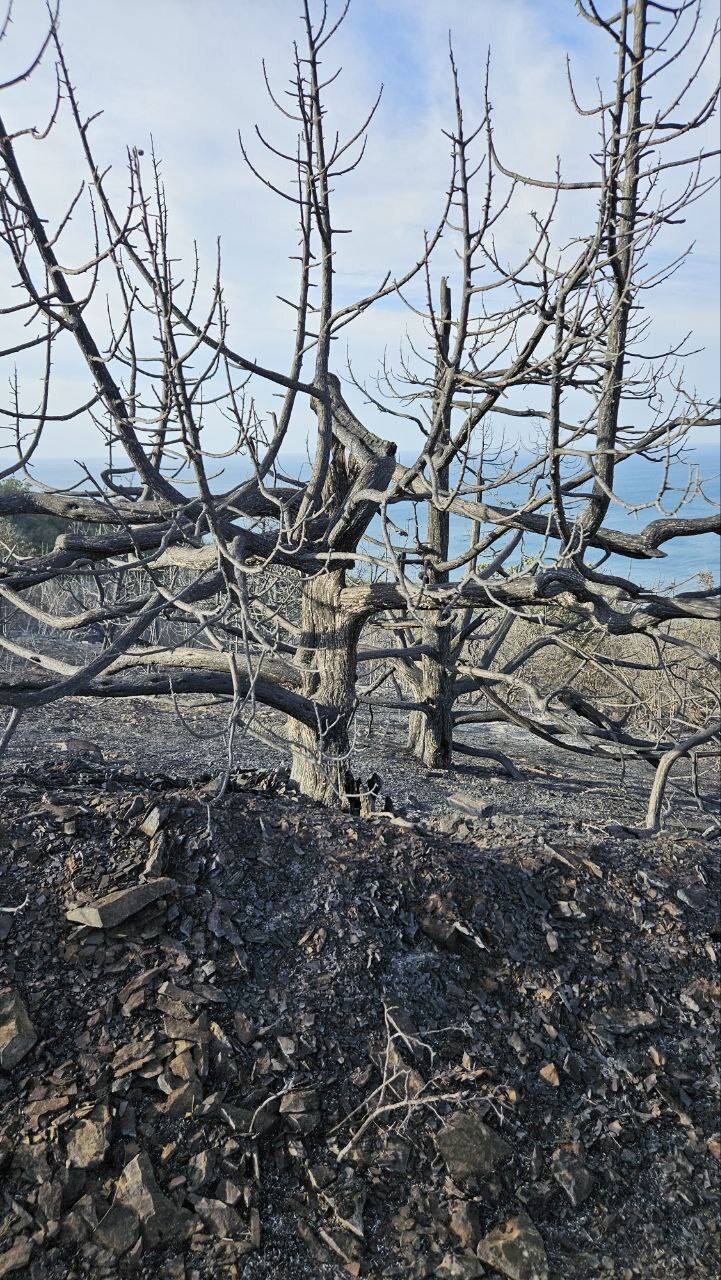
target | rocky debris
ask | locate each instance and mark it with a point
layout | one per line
(470, 1148)
(120, 905)
(516, 1250)
(17, 1035)
(161, 1222)
(325, 1044)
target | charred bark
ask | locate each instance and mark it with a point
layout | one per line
(327, 658)
(430, 733)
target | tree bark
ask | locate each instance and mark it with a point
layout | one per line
(430, 734)
(327, 657)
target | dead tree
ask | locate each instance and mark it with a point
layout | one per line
(580, 374)
(195, 582)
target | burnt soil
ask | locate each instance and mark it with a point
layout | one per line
(311, 968)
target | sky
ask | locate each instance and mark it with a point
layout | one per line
(190, 75)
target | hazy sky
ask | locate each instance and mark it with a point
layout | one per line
(190, 74)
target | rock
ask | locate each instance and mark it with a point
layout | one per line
(182, 1101)
(16, 1257)
(516, 1250)
(465, 1223)
(119, 905)
(153, 820)
(183, 1065)
(160, 1220)
(82, 748)
(201, 1168)
(466, 802)
(17, 1035)
(297, 1101)
(463, 1266)
(470, 1148)
(228, 1192)
(50, 1200)
(222, 1219)
(572, 1175)
(243, 1027)
(71, 1183)
(157, 857)
(30, 1161)
(80, 1223)
(88, 1142)
(118, 1230)
(549, 1073)
(254, 1229)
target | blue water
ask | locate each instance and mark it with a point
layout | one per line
(637, 481)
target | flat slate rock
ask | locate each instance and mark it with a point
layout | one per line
(118, 906)
(17, 1035)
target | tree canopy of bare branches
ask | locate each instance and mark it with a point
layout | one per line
(301, 592)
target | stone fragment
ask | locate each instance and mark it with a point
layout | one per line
(119, 905)
(222, 1219)
(182, 1101)
(157, 857)
(50, 1200)
(464, 1266)
(516, 1250)
(118, 1230)
(160, 1220)
(549, 1073)
(17, 1035)
(88, 1141)
(183, 1065)
(30, 1161)
(470, 1148)
(243, 1028)
(15, 1258)
(228, 1192)
(201, 1168)
(81, 748)
(466, 802)
(80, 1223)
(572, 1175)
(254, 1229)
(465, 1223)
(296, 1101)
(153, 820)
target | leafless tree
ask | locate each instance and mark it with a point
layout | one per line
(195, 584)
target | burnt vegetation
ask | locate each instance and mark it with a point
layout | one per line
(558, 338)
(280, 1023)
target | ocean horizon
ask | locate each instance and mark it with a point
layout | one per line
(638, 484)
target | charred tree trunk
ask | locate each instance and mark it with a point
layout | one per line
(430, 733)
(328, 659)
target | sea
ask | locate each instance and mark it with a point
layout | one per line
(692, 489)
